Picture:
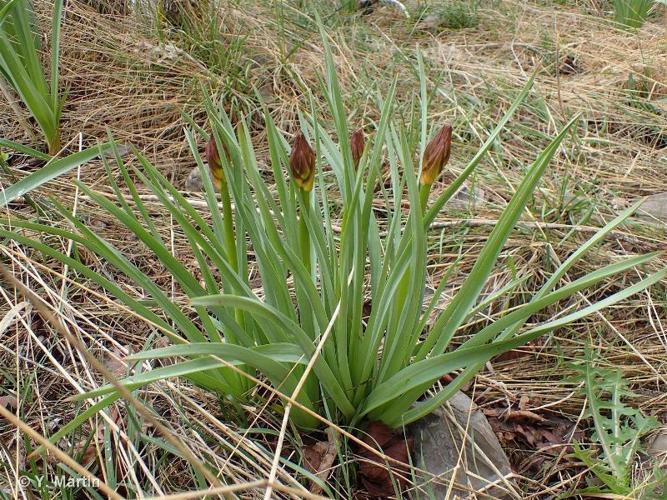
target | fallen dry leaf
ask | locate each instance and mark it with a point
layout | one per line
(524, 414)
(90, 446)
(376, 476)
(116, 364)
(319, 458)
(9, 402)
(543, 436)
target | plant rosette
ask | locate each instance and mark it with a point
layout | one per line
(335, 321)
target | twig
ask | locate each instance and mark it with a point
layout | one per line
(17, 111)
(261, 483)
(619, 235)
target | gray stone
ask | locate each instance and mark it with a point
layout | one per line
(194, 181)
(654, 206)
(656, 462)
(467, 198)
(657, 447)
(457, 443)
(123, 150)
(430, 22)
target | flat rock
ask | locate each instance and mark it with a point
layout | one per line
(654, 206)
(430, 22)
(656, 451)
(457, 443)
(657, 447)
(123, 150)
(467, 198)
(194, 181)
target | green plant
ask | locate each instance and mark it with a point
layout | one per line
(307, 334)
(618, 427)
(54, 167)
(21, 67)
(453, 14)
(201, 30)
(631, 14)
(348, 5)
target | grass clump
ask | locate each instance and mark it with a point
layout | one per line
(21, 67)
(453, 15)
(632, 14)
(602, 158)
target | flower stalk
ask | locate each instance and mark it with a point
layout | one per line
(220, 184)
(229, 231)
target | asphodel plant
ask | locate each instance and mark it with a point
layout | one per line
(300, 322)
(21, 69)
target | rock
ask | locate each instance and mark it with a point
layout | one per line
(569, 65)
(194, 181)
(480, 470)
(466, 198)
(431, 22)
(656, 452)
(267, 94)
(366, 6)
(618, 203)
(657, 447)
(654, 206)
(123, 150)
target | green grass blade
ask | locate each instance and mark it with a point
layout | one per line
(20, 148)
(321, 369)
(574, 257)
(5, 10)
(427, 407)
(187, 368)
(53, 169)
(55, 55)
(429, 370)
(279, 352)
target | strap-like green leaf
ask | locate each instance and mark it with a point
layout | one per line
(53, 169)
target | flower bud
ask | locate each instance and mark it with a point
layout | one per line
(357, 144)
(214, 164)
(436, 155)
(302, 163)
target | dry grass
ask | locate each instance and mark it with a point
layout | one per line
(123, 79)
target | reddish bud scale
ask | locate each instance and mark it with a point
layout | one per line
(214, 164)
(302, 163)
(357, 144)
(436, 155)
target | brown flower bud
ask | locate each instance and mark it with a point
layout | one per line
(436, 155)
(214, 164)
(302, 163)
(357, 144)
